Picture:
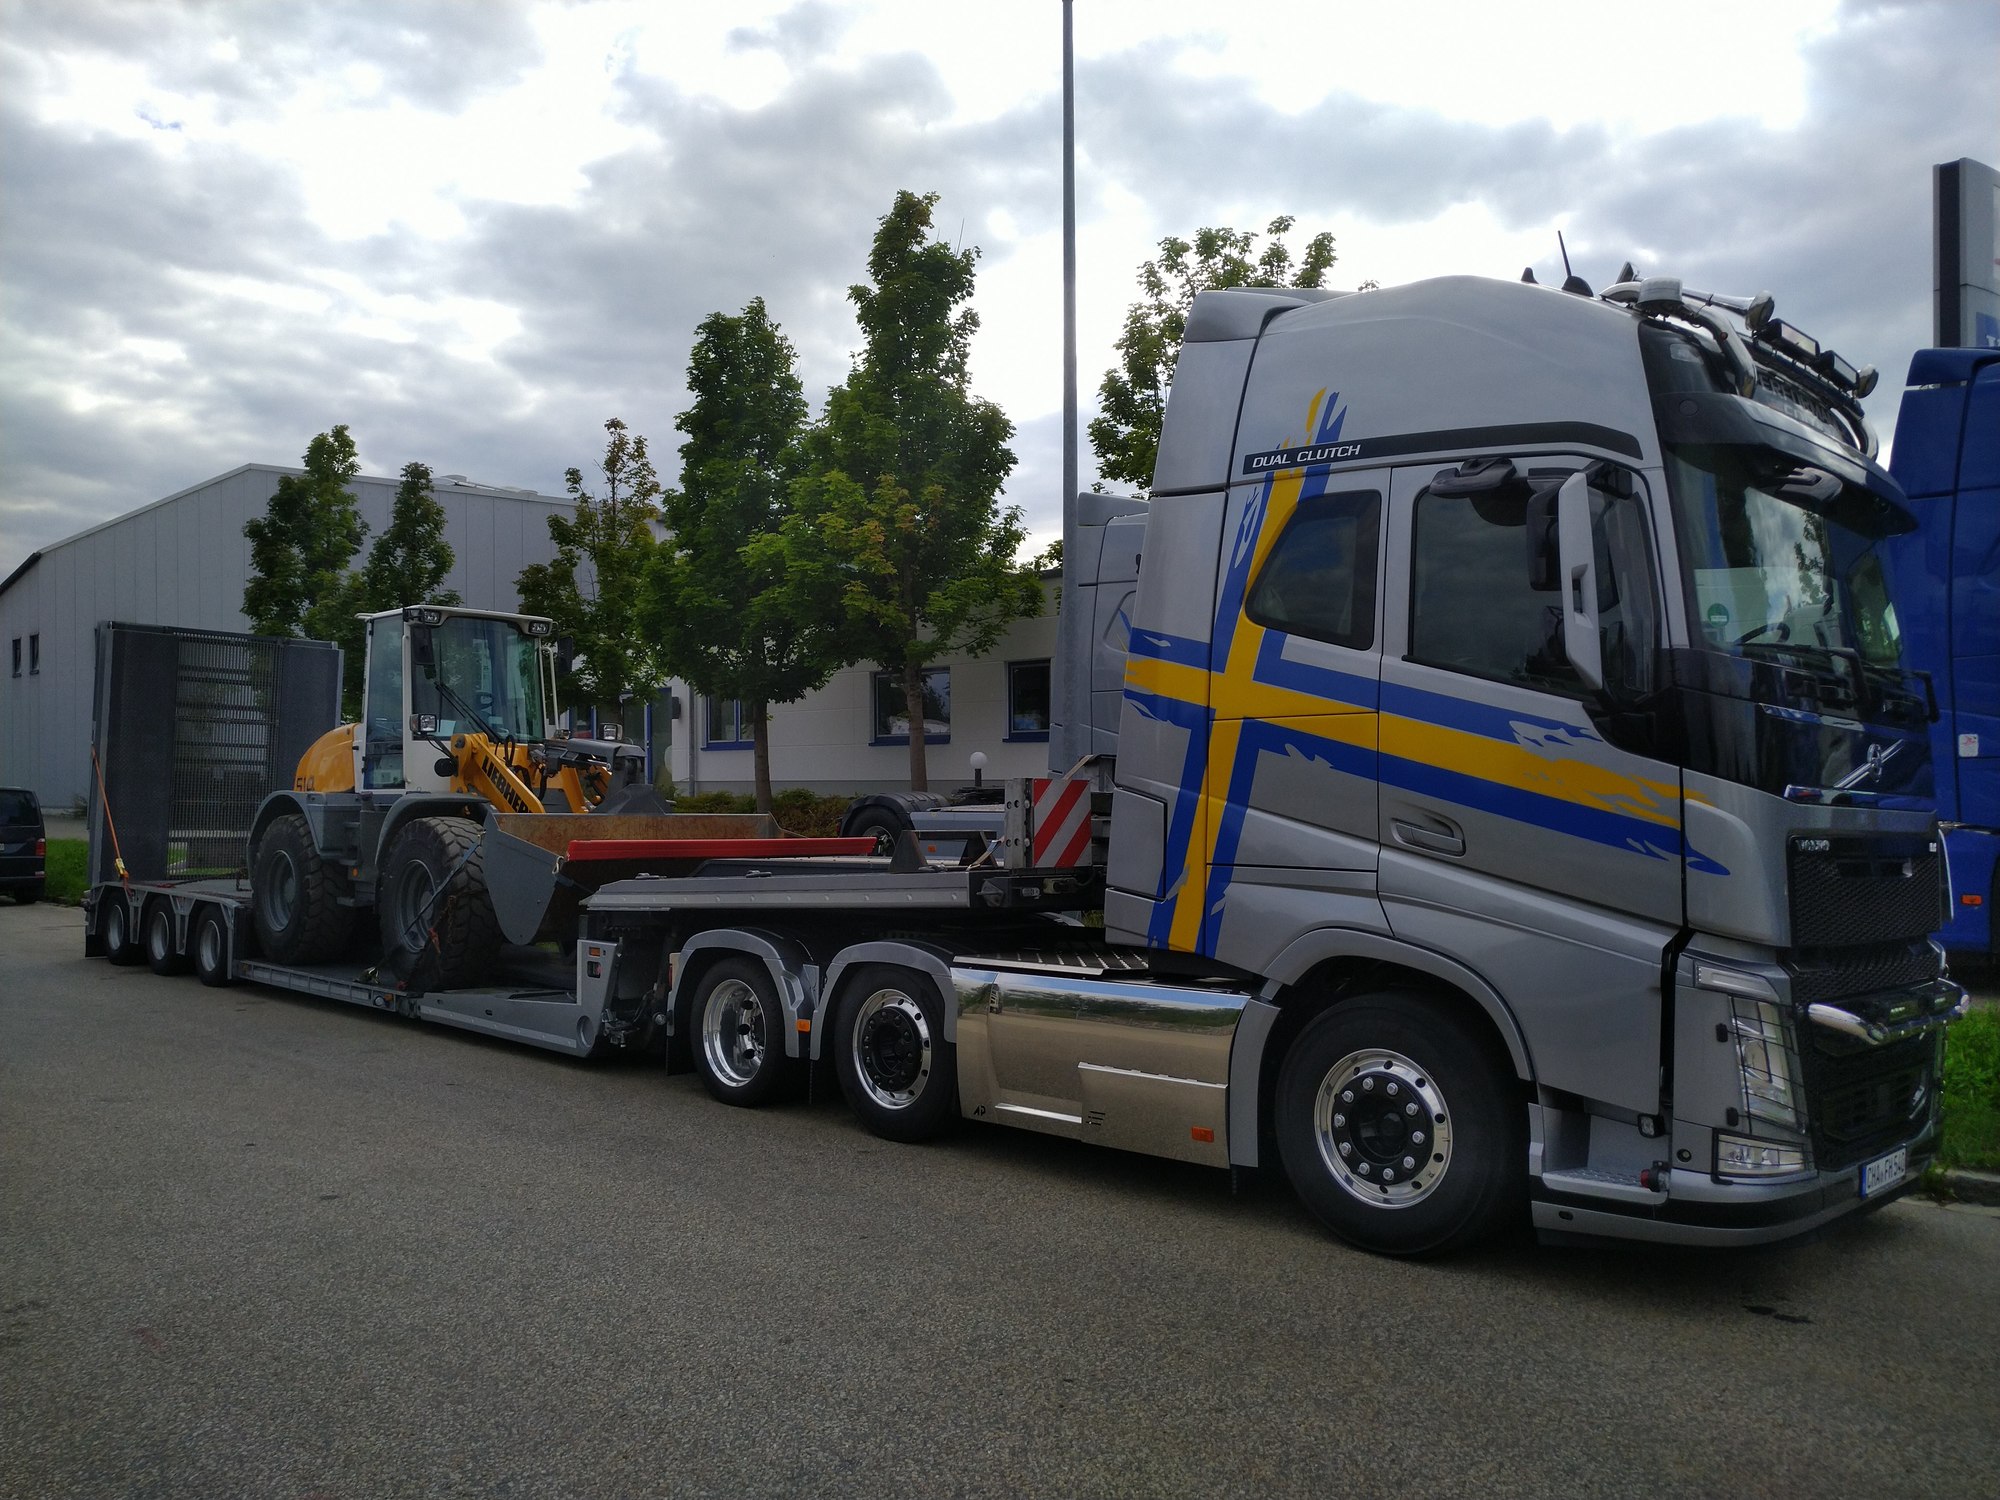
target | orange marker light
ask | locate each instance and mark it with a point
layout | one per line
(1970, 900)
(804, 1024)
(1201, 1133)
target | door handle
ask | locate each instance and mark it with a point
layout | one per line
(1443, 839)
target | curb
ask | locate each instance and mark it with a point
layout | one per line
(1968, 1186)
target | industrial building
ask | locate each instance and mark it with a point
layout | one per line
(184, 561)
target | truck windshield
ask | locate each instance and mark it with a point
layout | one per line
(491, 669)
(1781, 554)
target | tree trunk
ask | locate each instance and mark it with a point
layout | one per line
(760, 753)
(913, 705)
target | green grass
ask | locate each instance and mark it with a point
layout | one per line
(67, 862)
(1972, 1092)
(797, 810)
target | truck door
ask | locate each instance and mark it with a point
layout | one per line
(1525, 827)
(1295, 683)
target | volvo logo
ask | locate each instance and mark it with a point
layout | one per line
(1871, 768)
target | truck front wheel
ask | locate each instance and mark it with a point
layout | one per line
(1401, 1126)
(437, 920)
(298, 919)
(739, 1034)
(897, 1070)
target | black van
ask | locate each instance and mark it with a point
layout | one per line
(23, 844)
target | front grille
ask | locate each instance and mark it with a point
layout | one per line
(1851, 891)
(1831, 974)
(1861, 1101)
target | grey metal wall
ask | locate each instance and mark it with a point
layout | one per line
(183, 561)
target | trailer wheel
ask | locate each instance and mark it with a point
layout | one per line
(881, 826)
(739, 1034)
(121, 941)
(897, 1070)
(1400, 1126)
(161, 955)
(211, 948)
(298, 920)
(435, 915)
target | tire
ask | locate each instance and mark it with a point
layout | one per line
(293, 903)
(737, 1034)
(1401, 1126)
(28, 895)
(882, 826)
(209, 946)
(161, 955)
(436, 919)
(121, 941)
(897, 1070)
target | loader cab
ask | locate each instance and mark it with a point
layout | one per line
(433, 672)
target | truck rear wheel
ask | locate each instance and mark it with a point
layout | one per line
(121, 937)
(298, 919)
(739, 1034)
(436, 918)
(1400, 1126)
(161, 954)
(210, 945)
(897, 1070)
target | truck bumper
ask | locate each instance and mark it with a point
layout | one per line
(1701, 1211)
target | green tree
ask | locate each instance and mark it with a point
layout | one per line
(898, 515)
(728, 613)
(591, 589)
(407, 564)
(1132, 398)
(300, 546)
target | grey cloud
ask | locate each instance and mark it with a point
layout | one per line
(802, 34)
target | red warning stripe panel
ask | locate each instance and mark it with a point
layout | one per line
(1062, 823)
(588, 849)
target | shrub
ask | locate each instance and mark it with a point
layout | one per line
(1972, 1091)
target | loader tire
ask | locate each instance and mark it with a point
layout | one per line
(437, 921)
(294, 905)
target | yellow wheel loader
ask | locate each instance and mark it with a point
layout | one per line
(396, 813)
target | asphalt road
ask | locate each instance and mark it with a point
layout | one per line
(258, 1245)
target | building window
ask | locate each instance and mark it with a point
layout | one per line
(727, 726)
(1028, 700)
(34, 656)
(17, 656)
(892, 717)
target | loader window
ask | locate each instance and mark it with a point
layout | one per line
(486, 679)
(1319, 580)
(382, 731)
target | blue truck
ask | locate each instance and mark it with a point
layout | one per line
(1947, 458)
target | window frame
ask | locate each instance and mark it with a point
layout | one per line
(881, 675)
(17, 656)
(743, 741)
(1031, 736)
(35, 654)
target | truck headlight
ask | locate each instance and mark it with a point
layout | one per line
(1768, 1064)
(1739, 1156)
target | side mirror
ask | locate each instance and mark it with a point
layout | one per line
(1578, 582)
(423, 653)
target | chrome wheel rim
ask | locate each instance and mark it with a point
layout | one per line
(1382, 1128)
(208, 947)
(732, 1032)
(893, 1050)
(114, 925)
(159, 936)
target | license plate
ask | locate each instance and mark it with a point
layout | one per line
(1885, 1172)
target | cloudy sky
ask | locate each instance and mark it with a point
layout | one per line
(474, 229)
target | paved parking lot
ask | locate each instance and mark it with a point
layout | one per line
(257, 1245)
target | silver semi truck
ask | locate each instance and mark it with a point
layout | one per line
(1487, 787)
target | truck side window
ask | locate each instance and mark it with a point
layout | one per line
(1472, 609)
(1319, 580)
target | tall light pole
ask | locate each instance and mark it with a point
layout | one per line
(1073, 711)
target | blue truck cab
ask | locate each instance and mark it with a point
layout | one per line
(1947, 457)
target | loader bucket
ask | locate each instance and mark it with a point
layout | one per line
(540, 866)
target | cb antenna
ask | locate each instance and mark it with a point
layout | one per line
(1567, 272)
(1571, 281)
